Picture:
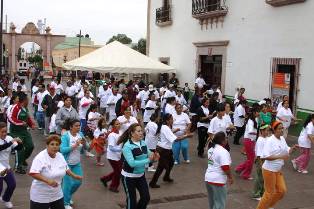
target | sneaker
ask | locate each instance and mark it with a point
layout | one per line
(303, 172)
(176, 162)
(154, 186)
(100, 164)
(257, 198)
(88, 154)
(67, 207)
(294, 164)
(104, 182)
(151, 169)
(20, 171)
(8, 204)
(187, 161)
(39, 128)
(71, 202)
(250, 178)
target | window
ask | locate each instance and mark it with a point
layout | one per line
(163, 14)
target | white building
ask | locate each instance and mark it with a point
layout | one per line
(238, 43)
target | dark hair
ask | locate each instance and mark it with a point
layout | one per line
(164, 120)
(91, 107)
(51, 138)
(219, 138)
(99, 124)
(285, 102)
(154, 116)
(14, 96)
(251, 115)
(215, 94)
(3, 125)
(22, 96)
(68, 123)
(170, 99)
(204, 100)
(127, 134)
(66, 97)
(221, 107)
(308, 120)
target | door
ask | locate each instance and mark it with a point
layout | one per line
(211, 69)
(290, 76)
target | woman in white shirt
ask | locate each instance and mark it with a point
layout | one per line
(71, 148)
(151, 138)
(245, 168)
(150, 108)
(114, 157)
(305, 141)
(284, 98)
(164, 148)
(182, 123)
(92, 117)
(170, 106)
(275, 152)
(48, 169)
(239, 121)
(99, 141)
(285, 116)
(84, 105)
(218, 172)
(7, 144)
(126, 119)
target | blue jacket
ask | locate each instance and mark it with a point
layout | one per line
(65, 147)
(135, 158)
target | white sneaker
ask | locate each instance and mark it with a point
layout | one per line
(39, 128)
(304, 171)
(257, 198)
(294, 164)
(71, 202)
(67, 207)
(187, 161)
(88, 154)
(176, 162)
(8, 204)
(151, 169)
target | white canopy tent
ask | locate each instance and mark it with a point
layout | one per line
(117, 58)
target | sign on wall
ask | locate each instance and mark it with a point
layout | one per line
(280, 87)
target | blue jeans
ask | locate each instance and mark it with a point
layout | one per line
(179, 146)
(40, 117)
(83, 126)
(217, 196)
(70, 185)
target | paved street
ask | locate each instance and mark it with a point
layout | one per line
(187, 192)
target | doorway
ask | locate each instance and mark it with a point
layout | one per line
(211, 69)
(290, 72)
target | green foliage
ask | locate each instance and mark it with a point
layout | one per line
(37, 60)
(124, 39)
(141, 46)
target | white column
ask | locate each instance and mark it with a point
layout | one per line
(13, 58)
(49, 50)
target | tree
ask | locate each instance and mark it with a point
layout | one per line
(121, 38)
(37, 60)
(141, 46)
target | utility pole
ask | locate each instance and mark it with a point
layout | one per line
(80, 43)
(1, 41)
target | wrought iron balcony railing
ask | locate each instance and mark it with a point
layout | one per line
(277, 3)
(202, 9)
(163, 16)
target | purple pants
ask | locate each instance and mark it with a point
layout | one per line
(11, 184)
(303, 160)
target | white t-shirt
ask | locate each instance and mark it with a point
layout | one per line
(279, 106)
(40, 98)
(52, 125)
(259, 146)
(169, 93)
(206, 112)
(167, 137)
(14, 86)
(239, 111)
(303, 139)
(34, 91)
(59, 89)
(286, 115)
(75, 155)
(83, 110)
(217, 157)
(216, 125)
(148, 113)
(99, 132)
(70, 91)
(142, 96)
(113, 100)
(112, 141)
(180, 121)
(181, 100)
(275, 147)
(170, 109)
(51, 168)
(200, 82)
(104, 96)
(5, 154)
(124, 126)
(250, 131)
(151, 139)
(228, 120)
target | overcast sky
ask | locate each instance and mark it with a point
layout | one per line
(99, 18)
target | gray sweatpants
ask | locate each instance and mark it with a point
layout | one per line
(217, 196)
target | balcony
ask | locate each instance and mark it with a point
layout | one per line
(278, 3)
(163, 16)
(208, 9)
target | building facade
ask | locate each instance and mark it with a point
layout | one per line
(69, 49)
(264, 46)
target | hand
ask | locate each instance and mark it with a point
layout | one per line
(77, 177)
(52, 183)
(17, 140)
(151, 157)
(230, 180)
(156, 156)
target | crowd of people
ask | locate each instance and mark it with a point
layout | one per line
(140, 128)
